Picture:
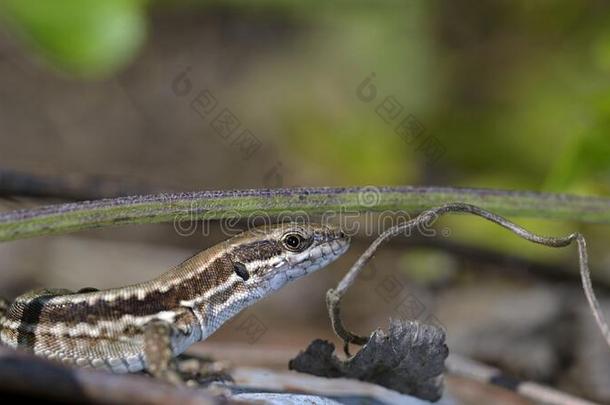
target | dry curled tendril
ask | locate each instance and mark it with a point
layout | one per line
(334, 296)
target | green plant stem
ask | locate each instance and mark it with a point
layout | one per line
(72, 217)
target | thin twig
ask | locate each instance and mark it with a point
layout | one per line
(242, 203)
(333, 297)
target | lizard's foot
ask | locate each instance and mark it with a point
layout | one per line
(183, 370)
(202, 371)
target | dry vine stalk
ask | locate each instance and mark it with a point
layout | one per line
(334, 296)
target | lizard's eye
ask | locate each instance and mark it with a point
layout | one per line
(294, 242)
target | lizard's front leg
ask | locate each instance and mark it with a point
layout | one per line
(158, 351)
(160, 337)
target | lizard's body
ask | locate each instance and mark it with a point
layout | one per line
(145, 325)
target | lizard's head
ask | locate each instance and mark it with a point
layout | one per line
(268, 257)
(262, 260)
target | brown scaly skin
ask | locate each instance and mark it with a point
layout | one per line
(145, 326)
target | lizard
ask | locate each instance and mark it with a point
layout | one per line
(145, 326)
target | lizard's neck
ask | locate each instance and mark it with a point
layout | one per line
(206, 284)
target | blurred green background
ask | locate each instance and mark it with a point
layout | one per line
(513, 94)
